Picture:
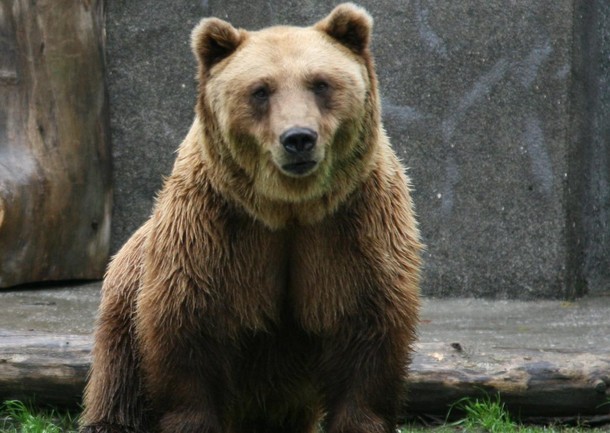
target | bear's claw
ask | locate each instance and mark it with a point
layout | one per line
(102, 427)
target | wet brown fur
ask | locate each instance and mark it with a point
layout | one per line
(256, 301)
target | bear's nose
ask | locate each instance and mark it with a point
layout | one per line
(297, 140)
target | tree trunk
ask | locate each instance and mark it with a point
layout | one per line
(55, 184)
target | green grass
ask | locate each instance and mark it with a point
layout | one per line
(485, 415)
(489, 415)
(17, 417)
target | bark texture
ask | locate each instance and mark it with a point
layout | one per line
(55, 184)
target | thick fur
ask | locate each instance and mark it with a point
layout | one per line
(254, 299)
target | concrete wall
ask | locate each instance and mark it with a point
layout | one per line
(499, 109)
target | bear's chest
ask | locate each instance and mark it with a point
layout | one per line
(312, 275)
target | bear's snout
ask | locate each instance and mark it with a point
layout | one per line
(298, 140)
(299, 144)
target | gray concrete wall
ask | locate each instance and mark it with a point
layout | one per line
(498, 108)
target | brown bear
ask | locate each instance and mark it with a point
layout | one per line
(275, 286)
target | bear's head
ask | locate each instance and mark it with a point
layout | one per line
(289, 115)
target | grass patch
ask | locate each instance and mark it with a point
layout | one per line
(485, 415)
(18, 417)
(488, 415)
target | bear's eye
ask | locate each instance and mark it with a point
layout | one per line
(320, 87)
(261, 94)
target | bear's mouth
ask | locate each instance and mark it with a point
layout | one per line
(299, 168)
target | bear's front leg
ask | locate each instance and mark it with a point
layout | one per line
(184, 371)
(363, 378)
(186, 380)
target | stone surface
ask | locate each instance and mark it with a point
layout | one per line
(486, 88)
(66, 309)
(476, 324)
(151, 84)
(480, 100)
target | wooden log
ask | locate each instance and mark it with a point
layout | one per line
(50, 369)
(532, 383)
(55, 180)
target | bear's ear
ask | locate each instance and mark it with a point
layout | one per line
(213, 40)
(350, 25)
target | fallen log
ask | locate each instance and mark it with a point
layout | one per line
(45, 368)
(532, 383)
